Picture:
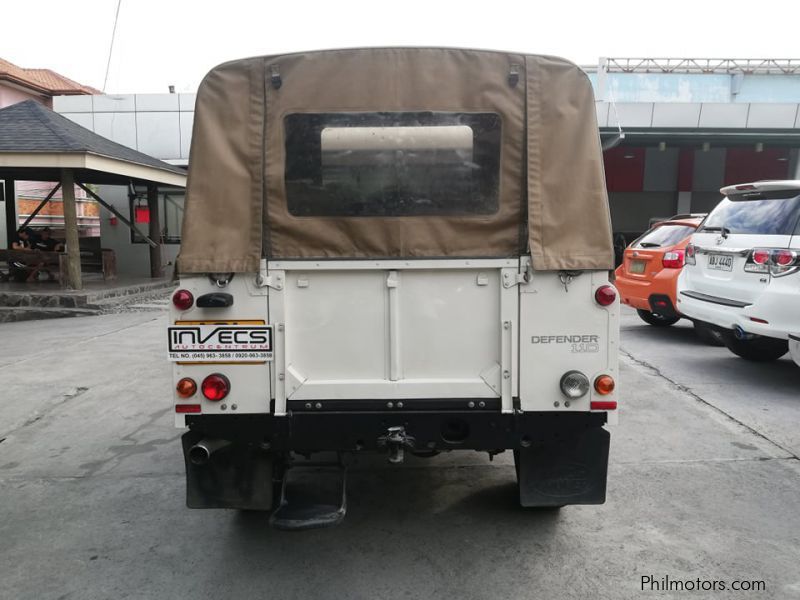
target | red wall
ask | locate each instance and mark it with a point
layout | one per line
(624, 174)
(744, 164)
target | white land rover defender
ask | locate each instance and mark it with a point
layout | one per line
(742, 271)
(393, 250)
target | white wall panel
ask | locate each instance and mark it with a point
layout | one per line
(772, 116)
(679, 114)
(82, 119)
(186, 123)
(156, 102)
(186, 102)
(631, 114)
(158, 134)
(727, 116)
(120, 127)
(602, 113)
(116, 103)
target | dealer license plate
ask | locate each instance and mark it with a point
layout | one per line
(637, 266)
(720, 262)
(220, 342)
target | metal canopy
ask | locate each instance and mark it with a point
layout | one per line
(37, 144)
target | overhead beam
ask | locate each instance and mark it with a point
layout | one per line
(74, 280)
(117, 214)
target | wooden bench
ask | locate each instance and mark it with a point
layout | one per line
(102, 261)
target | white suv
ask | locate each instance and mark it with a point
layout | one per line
(742, 273)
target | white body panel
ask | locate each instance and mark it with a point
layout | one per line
(394, 330)
(552, 320)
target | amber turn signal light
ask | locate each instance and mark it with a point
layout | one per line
(604, 385)
(186, 388)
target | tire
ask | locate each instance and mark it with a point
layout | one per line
(708, 335)
(656, 320)
(761, 349)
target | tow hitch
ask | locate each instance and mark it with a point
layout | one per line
(396, 441)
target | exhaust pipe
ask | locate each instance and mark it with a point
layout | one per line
(201, 452)
(740, 333)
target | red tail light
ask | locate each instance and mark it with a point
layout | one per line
(605, 295)
(690, 254)
(673, 260)
(183, 299)
(215, 387)
(783, 258)
(760, 256)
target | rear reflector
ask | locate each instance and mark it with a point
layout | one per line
(603, 405)
(187, 408)
(757, 320)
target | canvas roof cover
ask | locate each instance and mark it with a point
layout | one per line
(552, 197)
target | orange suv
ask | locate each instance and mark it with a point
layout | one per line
(647, 277)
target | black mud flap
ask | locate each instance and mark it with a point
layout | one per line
(235, 476)
(569, 469)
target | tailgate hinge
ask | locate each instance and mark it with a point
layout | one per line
(264, 279)
(511, 279)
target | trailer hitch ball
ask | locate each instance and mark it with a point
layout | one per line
(396, 441)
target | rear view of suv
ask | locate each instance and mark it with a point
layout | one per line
(742, 273)
(647, 278)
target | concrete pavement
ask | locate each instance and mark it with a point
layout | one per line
(701, 484)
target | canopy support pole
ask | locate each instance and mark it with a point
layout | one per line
(117, 214)
(156, 260)
(10, 196)
(74, 280)
(32, 216)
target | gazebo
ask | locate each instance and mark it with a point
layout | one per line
(37, 144)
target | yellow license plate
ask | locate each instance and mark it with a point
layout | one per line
(637, 266)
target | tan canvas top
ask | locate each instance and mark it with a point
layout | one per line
(552, 195)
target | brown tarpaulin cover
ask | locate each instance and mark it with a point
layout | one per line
(552, 188)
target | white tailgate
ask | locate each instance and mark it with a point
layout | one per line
(393, 330)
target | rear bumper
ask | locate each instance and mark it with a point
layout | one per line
(777, 305)
(794, 348)
(346, 431)
(639, 293)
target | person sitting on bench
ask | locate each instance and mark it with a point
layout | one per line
(46, 243)
(20, 270)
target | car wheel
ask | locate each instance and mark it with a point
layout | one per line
(656, 320)
(708, 335)
(761, 349)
